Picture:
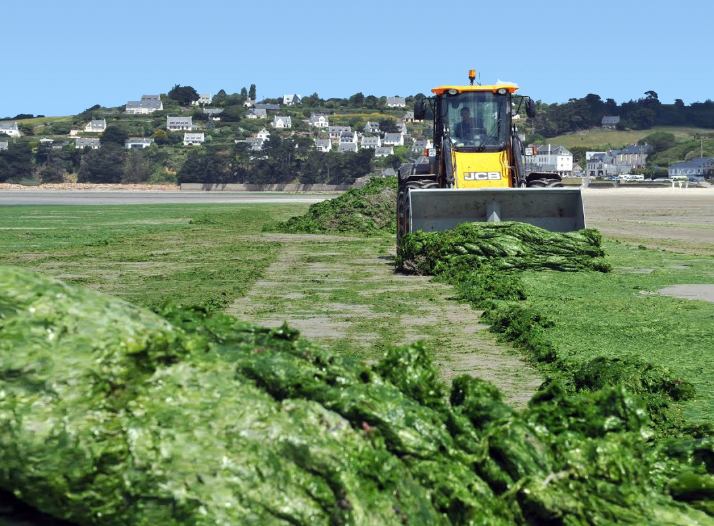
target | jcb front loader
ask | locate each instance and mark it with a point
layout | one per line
(477, 172)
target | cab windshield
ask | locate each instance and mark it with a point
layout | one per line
(476, 120)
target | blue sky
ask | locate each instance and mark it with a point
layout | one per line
(68, 56)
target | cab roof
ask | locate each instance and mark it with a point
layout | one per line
(441, 89)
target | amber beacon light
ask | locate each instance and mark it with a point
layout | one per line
(472, 75)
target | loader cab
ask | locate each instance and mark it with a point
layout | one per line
(475, 121)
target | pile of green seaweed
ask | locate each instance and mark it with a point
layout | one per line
(369, 210)
(502, 246)
(114, 415)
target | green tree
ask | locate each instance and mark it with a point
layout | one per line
(184, 95)
(244, 92)
(388, 125)
(137, 168)
(16, 161)
(114, 134)
(251, 92)
(357, 100)
(220, 97)
(27, 129)
(105, 165)
(659, 141)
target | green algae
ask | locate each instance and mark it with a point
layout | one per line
(114, 415)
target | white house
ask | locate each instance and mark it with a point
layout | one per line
(291, 100)
(96, 126)
(335, 131)
(138, 142)
(319, 120)
(203, 98)
(408, 116)
(553, 159)
(263, 134)
(249, 103)
(193, 139)
(179, 123)
(371, 127)
(213, 113)
(348, 137)
(371, 142)
(347, 147)
(610, 121)
(396, 102)
(254, 143)
(384, 151)
(323, 145)
(144, 107)
(257, 113)
(81, 142)
(3, 145)
(419, 145)
(10, 128)
(282, 121)
(393, 139)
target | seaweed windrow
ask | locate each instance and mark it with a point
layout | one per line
(114, 415)
(369, 210)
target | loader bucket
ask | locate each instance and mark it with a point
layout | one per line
(554, 209)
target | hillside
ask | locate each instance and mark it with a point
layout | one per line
(600, 137)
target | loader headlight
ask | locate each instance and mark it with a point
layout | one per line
(502, 91)
(453, 91)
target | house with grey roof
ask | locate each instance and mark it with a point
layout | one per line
(408, 116)
(371, 142)
(335, 131)
(610, 121)
(371, 127)
(249, 103)
(347, 147)
(393, 139)
(282, 121)
(633, 156)
(82, 142)
(601, 164)
(696, 169)
(255, 143)
(3, 145)
(263, 134)
(10, 128)
(143, 107)
(291, 100)
(383, 151)
(323, 145)
(138, 142)
(319, 120)
(151, 97)
(396, 102)
(96, 126)
(268, 107)
(203, 98)
(419, 145)
(193, 139)
(348, 136)
(551, 158)
(179, 123)
(213, 113)
(257, 113)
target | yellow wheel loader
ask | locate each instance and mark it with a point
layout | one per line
(477, 172)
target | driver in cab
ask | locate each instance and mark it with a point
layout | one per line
(467, 129)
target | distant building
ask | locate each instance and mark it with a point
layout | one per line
(699, 168)
(393, 139)
(179, 123)
(335, 131)
(408, 116)
(348, 137)
(396, 102)
(384, 151)
(249, 103)
(631, 157)
(371, 127)
(255, 143)
(610, 121)
(268, 107)
(96, 126)
(193, 139)
(144, 107)
(371, 142)
(138, 142)
(10, 128)
(263, 134)
(3, 145)
(256, 113)
(291, 100)
(213, 113)
(282, 121)
(419, 145)
(323, 145)
(151, 97)
(319, 120)
(347, 147)
(551, 158)
(601, 164)
(203, 99)
(93, 143)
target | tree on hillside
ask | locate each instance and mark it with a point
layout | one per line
(244, 92)
(114, 135)
(251, 92)
(105, 165)
(659, 141)
(357, 100)
(220, 97)
(184, 95)
(137, 167)
(16, 161)
(388, 126)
